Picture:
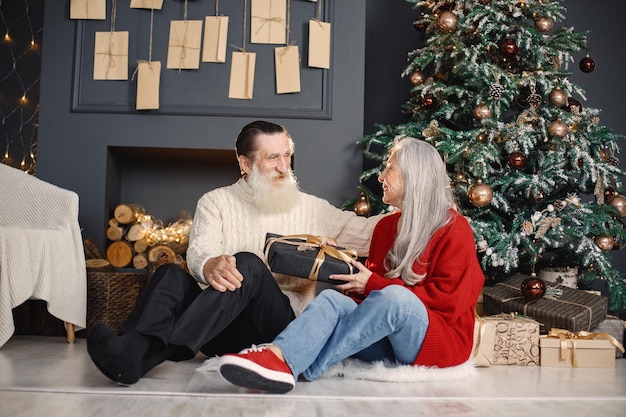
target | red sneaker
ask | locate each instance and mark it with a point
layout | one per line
(257, 368)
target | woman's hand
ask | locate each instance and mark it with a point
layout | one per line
(355, 282)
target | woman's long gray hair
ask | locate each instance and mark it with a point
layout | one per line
(425, 208)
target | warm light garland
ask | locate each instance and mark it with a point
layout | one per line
(22, 24)
(177, 232)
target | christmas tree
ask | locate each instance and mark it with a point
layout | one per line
(533, 170)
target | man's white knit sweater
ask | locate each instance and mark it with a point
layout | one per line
(226, 222)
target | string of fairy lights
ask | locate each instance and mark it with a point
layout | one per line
(21, 31)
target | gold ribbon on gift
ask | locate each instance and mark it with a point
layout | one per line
(565, 335)
(315, 242)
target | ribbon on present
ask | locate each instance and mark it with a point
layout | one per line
(553, 294)
(311, 242)
(565, 335)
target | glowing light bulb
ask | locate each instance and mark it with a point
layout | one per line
(6, 36)
(23, 98)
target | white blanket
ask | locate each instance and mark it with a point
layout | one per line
(41, 249)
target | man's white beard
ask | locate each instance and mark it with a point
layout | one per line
(273, 196)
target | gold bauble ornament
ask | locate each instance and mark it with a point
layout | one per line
(447, 21)
(619, 202)
(605, 243)
(482, 111)
(543, 24)
(558, 129)
(558, 98)
(363, 207)
(602, 153)
(416, 77)
(480, 194)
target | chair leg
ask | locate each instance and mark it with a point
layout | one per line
(71, 337)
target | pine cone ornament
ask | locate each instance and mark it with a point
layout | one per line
(527, 228)
(534, 100)
(496, 90)
(612, 160)
(559, 205)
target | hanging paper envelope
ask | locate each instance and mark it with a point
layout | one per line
(287, 60)
(148, 80)
(183, 50)
(88, 9)
(146, 4)
(319, 44)
(268, 22)
(215, 37)
(242, 75)
(110, 61)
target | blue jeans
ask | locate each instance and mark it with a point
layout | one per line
(389, 324)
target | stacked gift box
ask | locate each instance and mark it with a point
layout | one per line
(576, 331)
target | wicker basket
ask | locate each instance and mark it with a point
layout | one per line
(112, 295)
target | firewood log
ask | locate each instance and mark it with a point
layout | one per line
(115, 232)
(140, 246)
(140, 261)
(120, 253)
(135, 232)
(99, 265)
(128, 213)
(92, 251)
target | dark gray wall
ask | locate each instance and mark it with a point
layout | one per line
(390, 36)
(72, 146)
(75, 145)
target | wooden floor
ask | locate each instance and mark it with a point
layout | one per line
(45, 376)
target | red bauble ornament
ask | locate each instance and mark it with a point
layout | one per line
(574, 106)
(419, 25)
(587, 65)
(533, 288)
(428, 101)
(508, 47)
(517, 160)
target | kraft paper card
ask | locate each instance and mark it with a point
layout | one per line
(183, 50)
(287, 60)
(110, 61)
(242, 75)
(148, 80)
(215, 37)
(88, 9)
(146, 4)
(319, 44)
(268, 22)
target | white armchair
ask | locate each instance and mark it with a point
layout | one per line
(41, 250)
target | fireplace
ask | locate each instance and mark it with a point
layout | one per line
(165, 181)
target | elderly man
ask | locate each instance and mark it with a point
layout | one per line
(221, 308)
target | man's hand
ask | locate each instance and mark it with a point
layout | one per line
(221, 273)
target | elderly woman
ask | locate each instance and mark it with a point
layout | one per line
(412, 302)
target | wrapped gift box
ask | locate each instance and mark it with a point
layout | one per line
(578, 353)
(615, 327)
(306, 256)
(562, 307)
(506, 339)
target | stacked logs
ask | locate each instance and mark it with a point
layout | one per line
(131, 243)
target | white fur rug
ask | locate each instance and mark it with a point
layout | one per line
(381, 371)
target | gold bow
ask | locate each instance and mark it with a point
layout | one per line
(565, 335)
(315, 242)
